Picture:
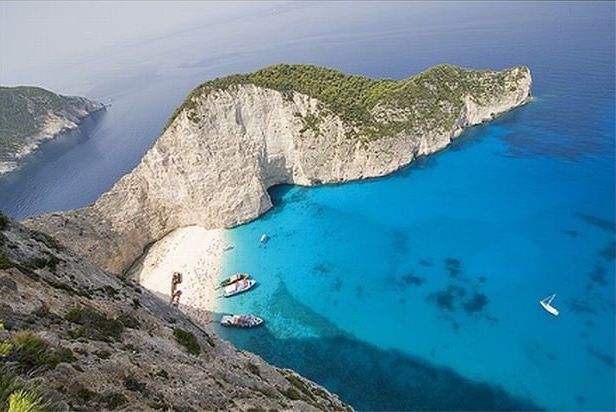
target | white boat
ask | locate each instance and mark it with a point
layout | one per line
(547, 305)
(232, 279)
(264, 238)
(238, 287)
(241, 321)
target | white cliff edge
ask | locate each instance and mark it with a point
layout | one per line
(212, 167)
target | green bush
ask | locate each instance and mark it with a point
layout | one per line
(6, 348)
(128, 320)
(254, 369)
(33, 352)
(110, 291)
(49, 241)
(23, 400)
(94, 324)
(188, 340)
(256, 409)
(36, 263)
(52, 263)
(62, 355)
(16, 396)
(299, 384)
(103, 354)
(292, 394)
(86, 395)
(4, 221)
(5, 262)
(40, 262)
(114, 400)
(8, 385)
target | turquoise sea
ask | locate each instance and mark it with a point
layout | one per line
(420, 290)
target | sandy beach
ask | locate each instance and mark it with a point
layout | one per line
(196, 253)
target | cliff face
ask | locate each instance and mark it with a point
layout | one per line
(96, 343)
(214, 163)
(31, 115)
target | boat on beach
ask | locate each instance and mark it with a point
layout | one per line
(233, 278)
(547, 305)
(241, 321)
(238, 287)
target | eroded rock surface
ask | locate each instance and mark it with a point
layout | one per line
(93, 342)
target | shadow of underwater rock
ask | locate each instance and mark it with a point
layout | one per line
(363, 375)
(373, 379)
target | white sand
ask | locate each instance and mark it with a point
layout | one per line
(196, 253)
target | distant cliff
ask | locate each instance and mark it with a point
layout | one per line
(235, 137)
(31, 115)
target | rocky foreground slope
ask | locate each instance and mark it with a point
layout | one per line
(31, 115)
(235, 137)
(77, 338)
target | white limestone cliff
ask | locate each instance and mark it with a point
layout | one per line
(213, 165)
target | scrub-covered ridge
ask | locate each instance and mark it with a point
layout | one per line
(31, 115)
(374, 107)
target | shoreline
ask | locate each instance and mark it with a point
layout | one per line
(36, 143)
(196, 253)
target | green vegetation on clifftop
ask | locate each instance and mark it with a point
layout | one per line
(22, 109)
(373, 107)
(25, 113)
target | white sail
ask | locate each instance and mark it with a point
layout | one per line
(547, 305)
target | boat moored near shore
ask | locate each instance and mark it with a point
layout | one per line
(241, 321)
(232, 279)
(238, 287)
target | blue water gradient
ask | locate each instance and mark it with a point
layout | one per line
(419, 290)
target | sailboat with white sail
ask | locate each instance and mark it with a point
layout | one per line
(547, 304)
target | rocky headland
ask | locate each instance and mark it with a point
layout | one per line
(235, 137)
(231, 140)
(30, 116)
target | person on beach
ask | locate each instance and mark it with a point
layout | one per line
(176, 279)
(175, 299)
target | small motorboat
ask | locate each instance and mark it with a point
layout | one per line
(241, 321)
(233, 278)
(547, 305)
(264, 238)
(238, 287)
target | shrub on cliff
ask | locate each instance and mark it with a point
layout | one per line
(94, 324)
(23, 400)
(5, 262)
(33, 353)
(188, 340)
(4, 221)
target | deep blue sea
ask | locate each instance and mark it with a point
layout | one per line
(418, 290)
